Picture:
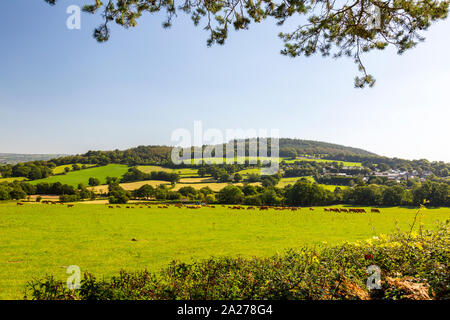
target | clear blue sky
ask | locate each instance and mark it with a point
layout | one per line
(62, 92)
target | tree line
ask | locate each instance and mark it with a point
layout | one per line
(302, 193)
(20, 190)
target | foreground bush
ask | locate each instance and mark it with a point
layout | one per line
(413, 266)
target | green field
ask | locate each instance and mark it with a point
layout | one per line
(183, 172)
(38, 239)
(229, 161)
(292, 180)
(61, 169)
(344, 163)
(12, 179)
(73, 178)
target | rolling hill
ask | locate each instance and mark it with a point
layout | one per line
(12, 158)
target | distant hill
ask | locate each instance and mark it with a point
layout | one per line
(162, 154)
(12, 158)
(310, 147)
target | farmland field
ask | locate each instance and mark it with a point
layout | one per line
(37, 239)
(183, 172)
(229, 161)
(60, 169)
(73, 178)
(292, 180)
(12, 179)
(130, 185)
(344, 163)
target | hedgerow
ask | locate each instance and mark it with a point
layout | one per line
(413, 266)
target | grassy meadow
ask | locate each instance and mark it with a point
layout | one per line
(61, 169)
(73, 178)
(344, 163)
(183, 172)
(38, 239)
(12, 179)
(130, 186)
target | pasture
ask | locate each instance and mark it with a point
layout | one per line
(12, 179)
(130, 186)
(183, 172)
(344, 163)
(73, 178)
(236, 159)
(39, 239)
(61, 169)
(292, 180)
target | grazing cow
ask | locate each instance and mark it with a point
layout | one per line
(264, 208)
(311, 209)
(19, 203)
(375, 210)
(70, 206)
(250, 208)
(118, 207)
(326, 209)
(343, 210)
(111, 207)
(128, 207)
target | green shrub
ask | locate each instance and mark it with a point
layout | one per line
(321, 273)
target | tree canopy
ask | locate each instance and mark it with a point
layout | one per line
(330, 27)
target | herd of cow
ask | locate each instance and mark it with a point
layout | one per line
(238, 207)
(235, 207)
(49, 202)
(355, 210)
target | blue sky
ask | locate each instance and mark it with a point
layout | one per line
(62, 92)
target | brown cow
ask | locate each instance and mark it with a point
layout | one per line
(19, 203)
(70, 206)
(375, 210)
